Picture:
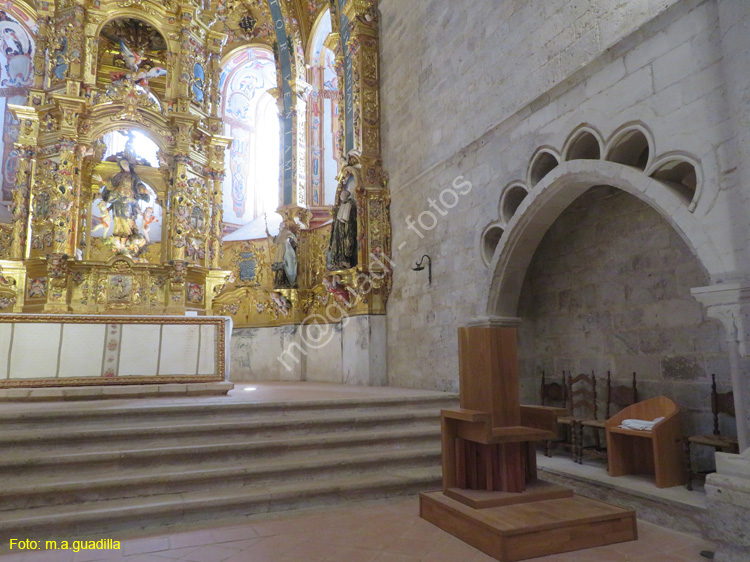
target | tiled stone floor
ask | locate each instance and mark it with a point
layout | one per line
(386, 531)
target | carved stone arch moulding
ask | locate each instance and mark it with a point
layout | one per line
(548, 199)
(510, 199)
(681, 173)
(489, 240)
(544, 160)
(584, 143)
(633, 145)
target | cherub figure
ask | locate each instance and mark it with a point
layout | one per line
(282, 303)
(148, 218)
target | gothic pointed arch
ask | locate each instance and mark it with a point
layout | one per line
(556, 192)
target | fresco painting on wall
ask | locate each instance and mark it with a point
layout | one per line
(16, 77)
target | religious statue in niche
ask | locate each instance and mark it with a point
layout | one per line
(284, 263)
(342, 249)
(120, 201)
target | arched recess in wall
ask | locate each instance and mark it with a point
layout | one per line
(583, 144)
(323, 113)
(17, 47)
(251, 119)
(511, 199)
(490, 239)
(632, 145)
(681, 174)
(542, 163)
(555, 193)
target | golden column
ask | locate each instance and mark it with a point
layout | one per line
(25, 178)
(66, 193)
(363, 160)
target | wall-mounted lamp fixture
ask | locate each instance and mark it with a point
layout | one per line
(419, 267)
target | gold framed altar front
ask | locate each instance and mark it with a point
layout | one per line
(29, 339)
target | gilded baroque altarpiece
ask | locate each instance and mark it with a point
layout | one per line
(94, 228)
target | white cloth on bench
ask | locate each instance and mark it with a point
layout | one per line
(641, 425)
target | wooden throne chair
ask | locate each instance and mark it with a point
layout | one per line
(491, 497)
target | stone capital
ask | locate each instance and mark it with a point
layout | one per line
(730, 304)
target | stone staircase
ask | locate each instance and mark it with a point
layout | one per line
(99, 469)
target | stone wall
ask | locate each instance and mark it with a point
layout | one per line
(609, 289)
(347, 352)
(471, 89)
(453, 70)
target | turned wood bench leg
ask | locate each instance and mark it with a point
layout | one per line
(688, 464)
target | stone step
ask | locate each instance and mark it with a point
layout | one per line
(106, 518)
(82, 486)
(67, 434)
(24, 465)
(146, 412)
(103, 467)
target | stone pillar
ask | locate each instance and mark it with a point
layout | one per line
(730, 304)
(363, 346)
(728, 507)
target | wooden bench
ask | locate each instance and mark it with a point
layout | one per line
(657, 452)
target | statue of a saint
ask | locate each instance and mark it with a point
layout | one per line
(342, 249)
(284, 265)
(121, 193)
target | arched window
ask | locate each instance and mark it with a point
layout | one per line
(16, 77)
(323, 118)
(251, 119)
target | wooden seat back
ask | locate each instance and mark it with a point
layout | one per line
(582, 395)
(650, 409)
(620, 396)
(554, 393)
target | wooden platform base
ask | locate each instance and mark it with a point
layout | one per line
(537, 490)
(532, 529)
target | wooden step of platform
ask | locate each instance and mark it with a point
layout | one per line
(536, 490)
(529, 530)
